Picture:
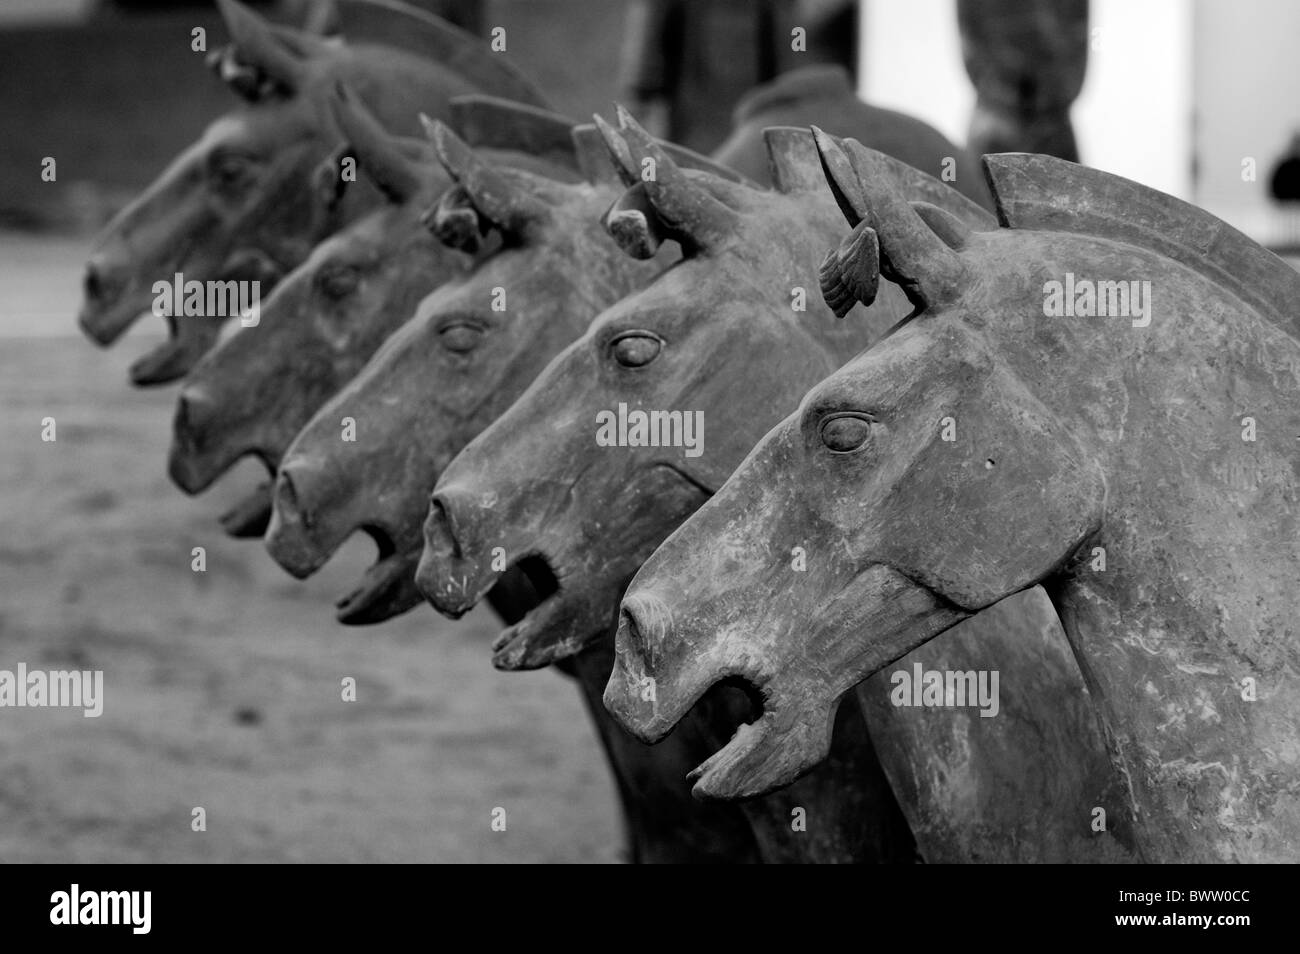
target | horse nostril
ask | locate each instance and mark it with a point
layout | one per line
(644, 624)
(635, 640)
(286, 499)
(629, 629)
(193, 410)
(183, 415)
(92, 283)
(439, 528)
(97, 282)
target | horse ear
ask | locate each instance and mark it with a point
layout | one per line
(842, 178)
(633, 221)
(951, 230)
(688, 211)
(793, 160)
(619, 155)
(326, 181)
(257, 45)
(502, 202)
(911, 255)
(381, 156)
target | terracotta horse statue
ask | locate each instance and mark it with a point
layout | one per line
(471, 348)
(252, 393)
(1133, 450)
(240, 203)
(722, 338)
(443, 378)
(814, 94)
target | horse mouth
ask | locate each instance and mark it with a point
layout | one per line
(562, 624)
(386, 589)
(164, 363)
(529, 642)
(178, 355)
(714, 778)
(249, 517)
(780, 733)
(781, 741)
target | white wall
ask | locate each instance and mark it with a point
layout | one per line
(1247, 92)
(1133, 118)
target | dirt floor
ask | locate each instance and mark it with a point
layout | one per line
(223, 688)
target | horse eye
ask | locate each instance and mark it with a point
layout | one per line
(460, 337)
(636, 349)
(844, 433)
(338, 281)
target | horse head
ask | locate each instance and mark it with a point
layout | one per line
(636, 423)
(240, 203)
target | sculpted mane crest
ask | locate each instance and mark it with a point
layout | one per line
(393, 163)
(258, 44)
(1043, 192)
(397, 24)
(491, 122)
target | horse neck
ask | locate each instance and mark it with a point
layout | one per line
(1199, 533)
(1201, 765)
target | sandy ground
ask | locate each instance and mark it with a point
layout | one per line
(223, 688)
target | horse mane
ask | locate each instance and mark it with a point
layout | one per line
(919, 186)
(396, 24)
(492, 122)
(694, 161)
(1042, 192)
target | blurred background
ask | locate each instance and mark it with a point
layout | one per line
(226, 683)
